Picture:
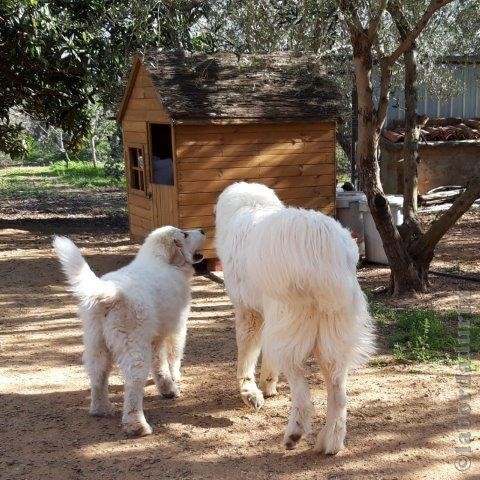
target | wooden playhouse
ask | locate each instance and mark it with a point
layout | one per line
(193, 124)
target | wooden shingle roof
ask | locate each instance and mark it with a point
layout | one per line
(282, 86)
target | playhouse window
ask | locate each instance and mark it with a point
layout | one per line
(162, 154)
(137, 172)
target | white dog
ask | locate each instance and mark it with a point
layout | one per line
(291, 275)
(135, 316)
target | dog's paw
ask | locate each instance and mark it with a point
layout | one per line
(330, 442)
(290, 440)
(168, 389)
(253, 398)
(269, 388)
(172, 392)
(293, 434)
(101, 410)
(137, 429)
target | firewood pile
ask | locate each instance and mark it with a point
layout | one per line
(439, 195)
(438, 130)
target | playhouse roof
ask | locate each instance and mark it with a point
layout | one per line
(282, 86)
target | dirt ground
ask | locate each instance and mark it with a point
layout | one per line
(401, 420)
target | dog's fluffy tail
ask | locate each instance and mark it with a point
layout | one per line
(86, 286)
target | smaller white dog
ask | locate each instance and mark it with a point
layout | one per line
(135, 316)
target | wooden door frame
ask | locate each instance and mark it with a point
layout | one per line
(174, 161)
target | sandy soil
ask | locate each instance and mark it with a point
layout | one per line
(402, 418)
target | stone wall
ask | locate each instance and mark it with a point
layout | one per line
(441, 163)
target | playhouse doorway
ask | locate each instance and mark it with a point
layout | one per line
(162, 174)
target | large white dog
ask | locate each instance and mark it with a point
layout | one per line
(291, 275)
(135, 316)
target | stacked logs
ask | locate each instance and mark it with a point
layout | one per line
(438, 130)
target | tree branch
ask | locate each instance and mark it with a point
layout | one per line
(407, 43)
(375, 22)
(352, 19)
(427, 243)
(385, 80)
(412, 130)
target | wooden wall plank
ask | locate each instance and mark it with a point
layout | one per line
(203, 163)
(197, 222)
(147, 116)
(285, 194)
(133, 126)
(144, 92)
(303, 128)
(226, 150)
(195, 210)
(143, 223)
(249, 138)
(240, 173)
(143, 104)
(276, 182)
(134, 137)
(140, 201)
(138, 232)
(137, 211)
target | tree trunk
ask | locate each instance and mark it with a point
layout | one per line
(411, 229)
(62, 148)
(408, 250)
(404, 277)
(94, 151)
(412, 136)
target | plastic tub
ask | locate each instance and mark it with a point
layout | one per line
(350, 216)
(374, 251)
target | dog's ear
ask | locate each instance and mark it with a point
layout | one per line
(176, 254)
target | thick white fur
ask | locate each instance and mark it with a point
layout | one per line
(291, 275)
(135, 316)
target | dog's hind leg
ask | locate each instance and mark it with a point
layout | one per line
(161, 370)
(331, 438)
(268, 378)
(135, 365)
(288, 339)
(248, 329)
(98, 364)
(302, 408)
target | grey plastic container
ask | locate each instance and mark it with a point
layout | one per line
(350, 216)
(374, 251)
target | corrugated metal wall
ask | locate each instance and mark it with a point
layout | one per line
(466, 105)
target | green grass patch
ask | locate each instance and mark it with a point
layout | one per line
(423, 335)
(81, 174)
(37, 181)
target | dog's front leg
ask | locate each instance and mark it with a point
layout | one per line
(248, 327)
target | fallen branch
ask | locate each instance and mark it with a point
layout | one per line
(427, 243)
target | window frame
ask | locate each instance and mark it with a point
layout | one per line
(131, 168)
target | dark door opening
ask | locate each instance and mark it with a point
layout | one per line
(162, 154)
